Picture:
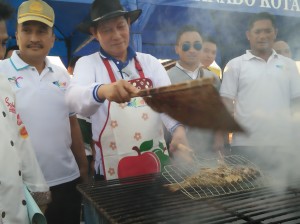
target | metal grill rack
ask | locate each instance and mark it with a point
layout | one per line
(145, 200)
(177, 175)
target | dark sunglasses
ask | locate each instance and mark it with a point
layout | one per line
(187, 46)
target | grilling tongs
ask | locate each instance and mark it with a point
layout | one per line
(194, 103)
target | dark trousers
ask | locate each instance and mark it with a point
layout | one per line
(65, 207)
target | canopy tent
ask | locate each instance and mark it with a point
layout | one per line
(155, 31)
(225, 20)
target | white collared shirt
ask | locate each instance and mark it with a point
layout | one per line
(192, 74)
(90, 71)
(43, 110)
(18, 163)
(262, 91)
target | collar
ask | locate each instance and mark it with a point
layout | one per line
(249, 55)
(130, 55)
(188, 71)
(19, 64)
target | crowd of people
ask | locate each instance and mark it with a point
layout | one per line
(82, 123)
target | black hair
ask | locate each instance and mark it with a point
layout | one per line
(13, 47)
(261, 16)
(184, 29)
(6, 10)
(209, 39)
(73, 61)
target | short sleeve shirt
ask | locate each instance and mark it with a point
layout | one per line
(43, 109)
(262, 92)
(18, 164)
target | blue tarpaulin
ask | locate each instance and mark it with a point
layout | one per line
(155, 31)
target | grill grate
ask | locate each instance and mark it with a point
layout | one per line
(145, 200)
(264, 205)
(178, 175)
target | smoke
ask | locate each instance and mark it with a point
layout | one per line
(228, 28)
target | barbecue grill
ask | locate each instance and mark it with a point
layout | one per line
(178, 173)
(144, 199)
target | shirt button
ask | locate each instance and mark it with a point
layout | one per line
(118, 62)
(3, 214)
(32, 69)
(20, 173)
(4, 114)
(12, 143)
(23, 202)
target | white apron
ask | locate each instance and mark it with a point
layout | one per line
(132, 140)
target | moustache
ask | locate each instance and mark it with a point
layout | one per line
(34, 46)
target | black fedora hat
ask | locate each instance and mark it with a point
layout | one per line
(102, 10)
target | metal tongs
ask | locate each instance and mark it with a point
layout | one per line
(188, 155)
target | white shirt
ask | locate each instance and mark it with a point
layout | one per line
(192, 74)
(43, 110)
(90, 72)
(262, 92)
(18, 163)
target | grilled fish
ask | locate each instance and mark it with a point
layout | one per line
(221, 176)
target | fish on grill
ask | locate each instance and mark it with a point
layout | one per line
(220, 176)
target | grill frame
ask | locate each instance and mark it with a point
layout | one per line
(145, 200)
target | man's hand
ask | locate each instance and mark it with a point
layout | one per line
(179, 146)
(83, 174)
(219, 142)
(119, 92)
(43, 208)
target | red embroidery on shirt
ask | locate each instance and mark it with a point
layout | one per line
(23, 132)
(19, 121)
(11, 106)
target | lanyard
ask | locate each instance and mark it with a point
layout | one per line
(111, 73)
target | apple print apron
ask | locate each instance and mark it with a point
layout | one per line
(132, 140)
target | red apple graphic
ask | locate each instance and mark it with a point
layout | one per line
(141, 164)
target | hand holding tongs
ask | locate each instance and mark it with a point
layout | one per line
(185, 153)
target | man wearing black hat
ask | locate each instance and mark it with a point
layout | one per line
(126, 131)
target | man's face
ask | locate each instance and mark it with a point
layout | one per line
(282, 48)
(189, 55)
(208, 53)
(35, 39)
(113, 36)
(261, 36)
(3, 38)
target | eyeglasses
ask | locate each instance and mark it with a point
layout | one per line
(187, 46)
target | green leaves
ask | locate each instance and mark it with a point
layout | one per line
(146, 146)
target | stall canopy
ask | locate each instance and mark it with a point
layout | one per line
(155, 31)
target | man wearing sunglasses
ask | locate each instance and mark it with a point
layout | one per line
(188, 67)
